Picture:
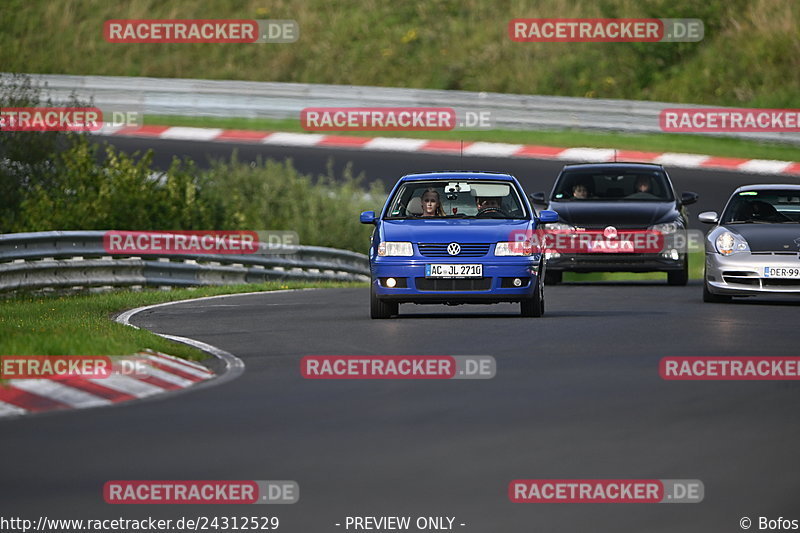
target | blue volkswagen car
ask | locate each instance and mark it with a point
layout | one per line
(456, 238)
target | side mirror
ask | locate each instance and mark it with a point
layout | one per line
(708, 217)
(537, 198)
(546, 217)
(689, 197)
(368, 217)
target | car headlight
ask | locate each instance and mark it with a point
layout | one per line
(728, 243)
(521, 248)
(668, 228)
(560, 226)
(395, 249)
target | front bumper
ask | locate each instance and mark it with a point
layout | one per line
(494, 286)
(743, 274)
(614, 262)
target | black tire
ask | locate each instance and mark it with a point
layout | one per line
(711, 298)
(379, 308)
(553, 277)
(679, 277)
(534, 307)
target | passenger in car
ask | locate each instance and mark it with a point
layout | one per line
(431, 204)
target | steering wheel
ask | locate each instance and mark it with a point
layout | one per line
(488, 211)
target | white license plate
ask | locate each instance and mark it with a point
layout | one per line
(453, 271)
(781, 272)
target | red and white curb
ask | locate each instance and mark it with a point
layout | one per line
(156, 373)
(470, 149)
(164, 375)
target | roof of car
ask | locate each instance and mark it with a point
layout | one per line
(768, 186)
(613, 164)
(458, 175)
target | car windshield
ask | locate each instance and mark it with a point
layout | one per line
(456, 199)
(770, 206)
(610, 184)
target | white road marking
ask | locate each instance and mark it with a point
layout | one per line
(59, 392)
(293, 139)
(681, 160)
(394, 144)
(492, 149)
(191, 134)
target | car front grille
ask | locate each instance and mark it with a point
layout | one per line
(477, 284)
(740, 277)
(613, 258)
(753, 280)
(793, 254)
(440, 249)
(781, 282)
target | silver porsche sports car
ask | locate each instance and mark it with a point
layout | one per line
(754, 247)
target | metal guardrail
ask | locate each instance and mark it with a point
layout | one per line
(66, 259)
(249, 99)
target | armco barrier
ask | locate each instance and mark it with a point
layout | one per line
(66, 259)
(252, 99)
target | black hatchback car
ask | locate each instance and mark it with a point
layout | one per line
(615, 198)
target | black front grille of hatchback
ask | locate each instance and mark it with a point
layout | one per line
(478, 284)
(440, 249)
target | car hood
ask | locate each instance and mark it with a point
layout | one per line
(769, 237)
(452, 230)
(615, 213)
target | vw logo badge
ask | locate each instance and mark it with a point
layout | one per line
(610, 232)
(453, 248)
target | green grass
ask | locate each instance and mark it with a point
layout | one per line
(81, 324)
(696, 262)
(750, 55)
(691, 144)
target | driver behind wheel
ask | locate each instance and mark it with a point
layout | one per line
(487, 202)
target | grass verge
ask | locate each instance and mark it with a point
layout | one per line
(690, 144)
(81, 324)
(749, 55)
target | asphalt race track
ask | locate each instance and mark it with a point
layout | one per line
(577, 395)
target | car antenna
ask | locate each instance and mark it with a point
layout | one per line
(461, 160)
(615, 155)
